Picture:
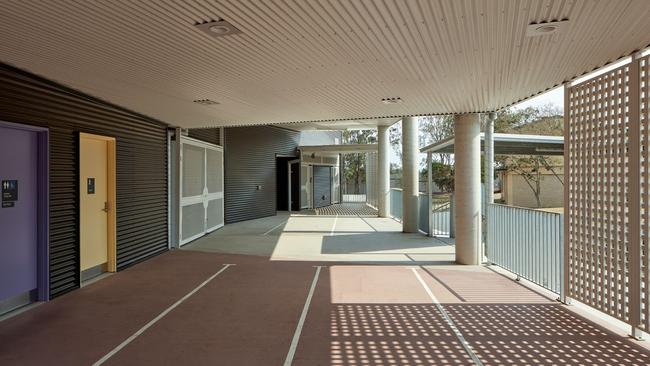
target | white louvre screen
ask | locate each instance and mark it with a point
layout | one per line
(202, 189)
(336, 185)
(305, 191)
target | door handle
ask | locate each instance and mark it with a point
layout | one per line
(106, 207)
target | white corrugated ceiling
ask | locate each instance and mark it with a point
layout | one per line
(315, 60)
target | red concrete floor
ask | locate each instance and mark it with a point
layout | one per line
(359, 315)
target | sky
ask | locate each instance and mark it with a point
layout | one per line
(553, 96)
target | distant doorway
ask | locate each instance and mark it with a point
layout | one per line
(282, 182)
(294, 185)
(322, 186)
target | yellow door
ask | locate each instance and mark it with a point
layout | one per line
(96, 168)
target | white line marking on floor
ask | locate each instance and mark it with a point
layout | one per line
(447, 318)
(334, 225)
(160, 316)
(301, 322)
(273, 229)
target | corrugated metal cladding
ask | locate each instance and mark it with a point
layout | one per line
(250, 154)
(141, 169)
(210, 135)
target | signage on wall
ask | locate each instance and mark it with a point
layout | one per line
(9, 193)
(91, 185)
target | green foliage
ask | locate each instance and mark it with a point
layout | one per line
(354, 165)
(443, 176)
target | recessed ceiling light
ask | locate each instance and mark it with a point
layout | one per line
(394, 100)
(544, 28)
(218, 29)
(206, 102)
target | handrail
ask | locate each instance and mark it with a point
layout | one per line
(528, 243)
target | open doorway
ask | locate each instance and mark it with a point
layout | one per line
(294, 184)
(282, 182)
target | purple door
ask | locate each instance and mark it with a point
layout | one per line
(18, 213)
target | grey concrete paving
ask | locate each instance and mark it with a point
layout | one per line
(301, 237)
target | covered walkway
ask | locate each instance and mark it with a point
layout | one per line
(300, 237)
(344, 209)
(187, 307)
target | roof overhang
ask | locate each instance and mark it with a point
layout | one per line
(508, 144)
(315, 61)
(339, 149)
(358, 124)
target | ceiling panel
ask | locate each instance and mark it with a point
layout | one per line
(315, 60)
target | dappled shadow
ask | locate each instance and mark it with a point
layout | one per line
(392, 334)
(534, 334)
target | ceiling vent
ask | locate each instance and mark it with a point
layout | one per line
(219, 28)
(544, 28)
(206, 102)
(395, 100)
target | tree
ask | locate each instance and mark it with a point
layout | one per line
(354, 165)
(443, 176)
(434, 129)
(531, 169)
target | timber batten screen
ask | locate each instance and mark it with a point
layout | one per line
(644, 168)
(607, 139)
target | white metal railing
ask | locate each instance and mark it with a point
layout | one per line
(528, 243)
(441, 218)
(396, 203)
(441, 221)
(354, 198)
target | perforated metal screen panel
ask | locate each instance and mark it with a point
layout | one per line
(214, 171)
(193, 175)
(193, 221)
(202, 199)
(336, 185)
(305, 180)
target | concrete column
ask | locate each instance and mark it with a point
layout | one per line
(429, 192)
(410, 175)
(383, 171)
(489, 158)
(467, 187)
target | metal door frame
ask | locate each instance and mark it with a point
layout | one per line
(43, 207)
(111, 196)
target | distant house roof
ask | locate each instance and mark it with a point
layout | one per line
(508, 144)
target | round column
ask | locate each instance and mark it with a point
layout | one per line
(410, 175)
(383, 171)
(467, 187)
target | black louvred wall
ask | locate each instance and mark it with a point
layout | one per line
(249, 159)
(209, 135)
(141, 169)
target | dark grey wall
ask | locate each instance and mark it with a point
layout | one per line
(210, 135)
(250, 161)
(141, 169)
